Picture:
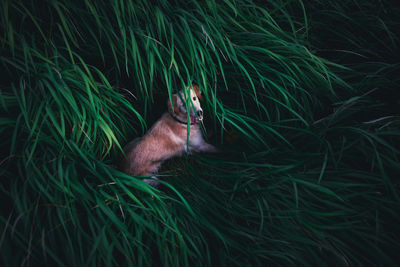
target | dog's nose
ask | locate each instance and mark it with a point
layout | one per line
(200, 113)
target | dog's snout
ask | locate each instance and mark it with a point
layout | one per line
(200, 113)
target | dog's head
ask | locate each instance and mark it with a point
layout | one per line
(179, 103)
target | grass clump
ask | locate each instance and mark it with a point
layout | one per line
(303, 95)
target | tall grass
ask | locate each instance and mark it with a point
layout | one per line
(303, 95)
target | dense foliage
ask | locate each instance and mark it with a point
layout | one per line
(303, 95)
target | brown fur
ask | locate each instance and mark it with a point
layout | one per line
(167, 138)
(197, 91)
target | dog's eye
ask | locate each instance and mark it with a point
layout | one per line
(194, 98)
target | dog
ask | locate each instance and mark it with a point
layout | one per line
(168, 137)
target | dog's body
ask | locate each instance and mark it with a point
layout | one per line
(167, 138)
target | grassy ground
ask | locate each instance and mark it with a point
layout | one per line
(304, 95)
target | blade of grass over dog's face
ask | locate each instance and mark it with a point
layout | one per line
(303, 95)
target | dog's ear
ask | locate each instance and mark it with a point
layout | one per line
(174, 108)
(199, 94)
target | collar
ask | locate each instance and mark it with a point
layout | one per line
(181, 122)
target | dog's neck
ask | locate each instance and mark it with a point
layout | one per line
(180, 121)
